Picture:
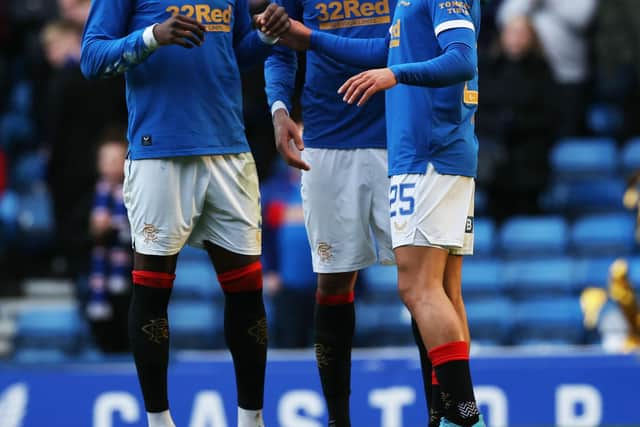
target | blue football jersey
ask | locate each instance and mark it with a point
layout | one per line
(330, 122)
(181, 102)
(424, 124)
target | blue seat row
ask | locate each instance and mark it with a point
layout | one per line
(579, 158)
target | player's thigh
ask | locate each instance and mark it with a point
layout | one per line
(336, 201)
(380, 225)
(231, 216)
(420, 270)
(164, 199)
(432, 210)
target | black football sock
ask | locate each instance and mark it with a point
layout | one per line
(451, 363)
(425, 364)
(334, 326)
(149, 335)
(245, 332)
(436, 405)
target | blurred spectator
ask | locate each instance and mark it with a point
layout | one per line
(111, 258)
(562, 28)
(289, 278)
(516, 122)
(76, 112)
(75, 11)
(617, 53)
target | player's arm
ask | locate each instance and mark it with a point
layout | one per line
(107, 50)
(252, 47)
(280, 77)
(368, 53)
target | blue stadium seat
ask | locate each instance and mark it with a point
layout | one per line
(585, 196)
(481, 202)
(552, 321)
(30, 356)
(35, 220)
(195, 279)
(381, 282)
(630, 156)
(28, 170)
(584, 157)
(490, 321)
(484, 236)
(383, 324)
(634, 272)
(604, 234)
(605, 119)
(482, 278)
(528, 236)
(16, 130)
(9, 210)
(535, 278)
(53, 328)
(196, 325)
(593, 271)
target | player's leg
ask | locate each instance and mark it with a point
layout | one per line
(337, 200)
(158, 234)
(334, 324)
(420, 281)
(229, 229)
(149, 332)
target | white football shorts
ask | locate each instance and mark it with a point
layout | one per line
(432, 210)
(179, 200)
(345, 202)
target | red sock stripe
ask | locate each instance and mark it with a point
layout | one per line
(153, 279)
(457, 350)
(434, 379)
(243, 279)
(334, 299)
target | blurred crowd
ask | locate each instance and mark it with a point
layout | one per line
(548, 69)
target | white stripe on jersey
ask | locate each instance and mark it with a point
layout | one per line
(455, 23)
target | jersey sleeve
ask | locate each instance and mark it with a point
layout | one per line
(250, 49)
(281, 66)
(107, 49)
(450, 14)
(368, 53)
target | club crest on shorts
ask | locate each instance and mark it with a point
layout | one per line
(325, 251)
(468, 226)
(400, 226)
(150, 233)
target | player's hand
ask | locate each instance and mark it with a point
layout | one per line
(180, 30)
(363, 86)
(288, 140)
(298, 37)
(273, 22)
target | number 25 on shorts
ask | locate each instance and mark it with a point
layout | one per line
(401, 199)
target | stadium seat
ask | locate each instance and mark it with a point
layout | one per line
(531, 236)
(30, 356)
(482, 278)
(381, 282)
(9, 209)
(50, 328)
(484, 232)
(634, 272)
(536, 278)
(592, 271)
(195, 279)
(630, 156)
(604, 234)
(481, 202)
(584, 158)
(28, 170)
(35, 220)
(490, 321)
(585, 196)
(196, 325)
(383, 324)
(552, 321)
(605, 119)
(189, 253)
(295, 255)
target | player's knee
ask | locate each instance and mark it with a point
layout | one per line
(336, 284)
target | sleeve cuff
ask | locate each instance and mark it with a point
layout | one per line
(279, 105)
(266, 39)
(149, 39)
(397, 72)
